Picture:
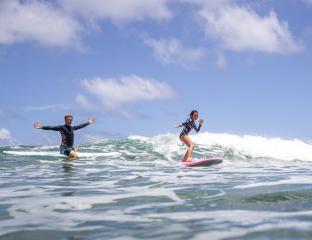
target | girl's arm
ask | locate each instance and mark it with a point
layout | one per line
(181, 125)
(197, 129)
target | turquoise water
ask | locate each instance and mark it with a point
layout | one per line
(135, 188)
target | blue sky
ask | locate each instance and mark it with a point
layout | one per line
(140, 67)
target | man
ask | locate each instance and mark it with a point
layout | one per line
(67, 133)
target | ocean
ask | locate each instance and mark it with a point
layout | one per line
(136, 188)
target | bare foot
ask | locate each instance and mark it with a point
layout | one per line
(187, 160)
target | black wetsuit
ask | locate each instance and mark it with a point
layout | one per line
(188, 125)
(67, 133)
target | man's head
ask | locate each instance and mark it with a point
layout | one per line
(68, 119)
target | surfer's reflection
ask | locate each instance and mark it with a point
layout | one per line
(68, 167)
(66, 182)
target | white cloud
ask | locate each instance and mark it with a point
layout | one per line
(221, 61)
(49, 107)
(5, 134)
(172, 51)
(84, 103)
(240, 28)
(308, 1)
(118, 11)
(59, 23)
(114, 93)
(37, 21)
(5, 137)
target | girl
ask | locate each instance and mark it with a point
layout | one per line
(188, 125)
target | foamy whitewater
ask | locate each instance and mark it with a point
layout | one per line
(136, 188)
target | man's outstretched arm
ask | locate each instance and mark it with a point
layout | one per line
(89, 121)
(53, 128)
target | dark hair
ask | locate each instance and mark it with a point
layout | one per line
(67, 116)
(193, 112)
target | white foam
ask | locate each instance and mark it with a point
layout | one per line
(255, 146)
(55, 154)
(292, 180)
(258, 146)
(32, 153)
(166, 144)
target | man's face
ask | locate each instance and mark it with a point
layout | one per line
(69, 121)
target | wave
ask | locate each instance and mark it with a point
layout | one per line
(230, 145)
(169, 147)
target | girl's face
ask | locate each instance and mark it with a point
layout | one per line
(194, 116)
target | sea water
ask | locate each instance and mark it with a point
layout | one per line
(136, 188)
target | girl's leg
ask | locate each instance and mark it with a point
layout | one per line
(187, 140)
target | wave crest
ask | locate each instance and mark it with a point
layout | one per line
(229, 144)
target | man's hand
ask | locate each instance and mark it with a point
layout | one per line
(90, 121)
(37, 125)
(201, 121)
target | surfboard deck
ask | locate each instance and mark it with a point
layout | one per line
(202, 162)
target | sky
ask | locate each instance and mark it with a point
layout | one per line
(138, 67)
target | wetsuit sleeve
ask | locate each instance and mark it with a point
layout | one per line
(196, 128)
(184, 123)
(53, 128)
(80, 126)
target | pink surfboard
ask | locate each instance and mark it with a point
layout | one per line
(203, 162)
